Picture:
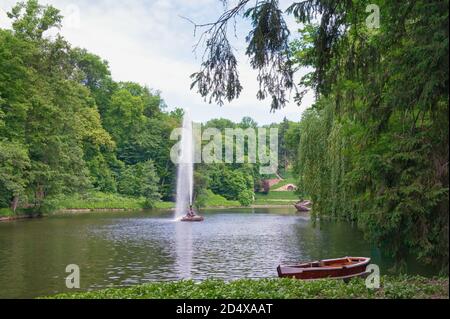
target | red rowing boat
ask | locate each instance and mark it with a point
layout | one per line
(340, 268)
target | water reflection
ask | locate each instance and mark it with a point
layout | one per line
(121, 249)
(184, 249)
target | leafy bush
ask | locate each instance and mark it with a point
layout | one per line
(6, 212)
(246, 197)
(94, 200)
(391, 287)
(209, 199)
(140, 180)
(229, 183)
(265, 187)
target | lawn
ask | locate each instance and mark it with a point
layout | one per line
(104, 201)
(391, 288)
(6, 212)
(276, 198)
(99, 200)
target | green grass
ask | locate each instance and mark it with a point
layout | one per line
(6, 212)
(209, 199)
(391, 287)
(164, 205)
(21, 212)
(276, 198)
(98, 200)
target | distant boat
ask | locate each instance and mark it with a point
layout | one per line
(303, 206)
(340, 268)
(195, 218)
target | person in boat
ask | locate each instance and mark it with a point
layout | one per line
(191, 212)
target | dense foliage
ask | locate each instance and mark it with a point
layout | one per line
(67, 127)
(391, 288)
(374, 148)
(69, 131)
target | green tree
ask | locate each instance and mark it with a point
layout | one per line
(140, 180)
(229, 182)
(14, 162)
(375, 146)
(44, 109)
(31, 20)
(94, 73)
(150, 182)
(248, 122)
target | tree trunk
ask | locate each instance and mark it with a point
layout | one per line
(14, 203)
(39, 195)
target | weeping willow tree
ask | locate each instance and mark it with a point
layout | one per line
(267, 49)
(374, 148)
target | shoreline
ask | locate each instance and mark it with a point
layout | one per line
(19, 217)
(93, 210)
(391, 287)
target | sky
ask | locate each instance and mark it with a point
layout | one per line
(149, 42)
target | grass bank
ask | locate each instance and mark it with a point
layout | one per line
(273, 199)
(98, 200)
(211, 200)
(276, 198)
(284, 182)
(7, 214)
(391, 288)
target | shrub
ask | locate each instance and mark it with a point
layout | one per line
(6, 212)
(209, 199)
(391, 287)
(246, 197)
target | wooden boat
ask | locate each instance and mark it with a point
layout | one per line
(340, 268)
(303, 206)
(195, 218)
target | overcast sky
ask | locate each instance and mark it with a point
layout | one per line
(147, 41)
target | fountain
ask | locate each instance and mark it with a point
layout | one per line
(185, 174)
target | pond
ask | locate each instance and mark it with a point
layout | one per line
(114, 249)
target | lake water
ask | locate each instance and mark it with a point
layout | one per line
(122, 249)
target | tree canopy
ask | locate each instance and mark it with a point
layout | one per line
(374, 147)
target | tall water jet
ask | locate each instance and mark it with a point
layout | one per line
(185, 172)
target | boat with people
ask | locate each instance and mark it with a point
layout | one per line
(339, 268)
(193, 219)
(191, 216)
